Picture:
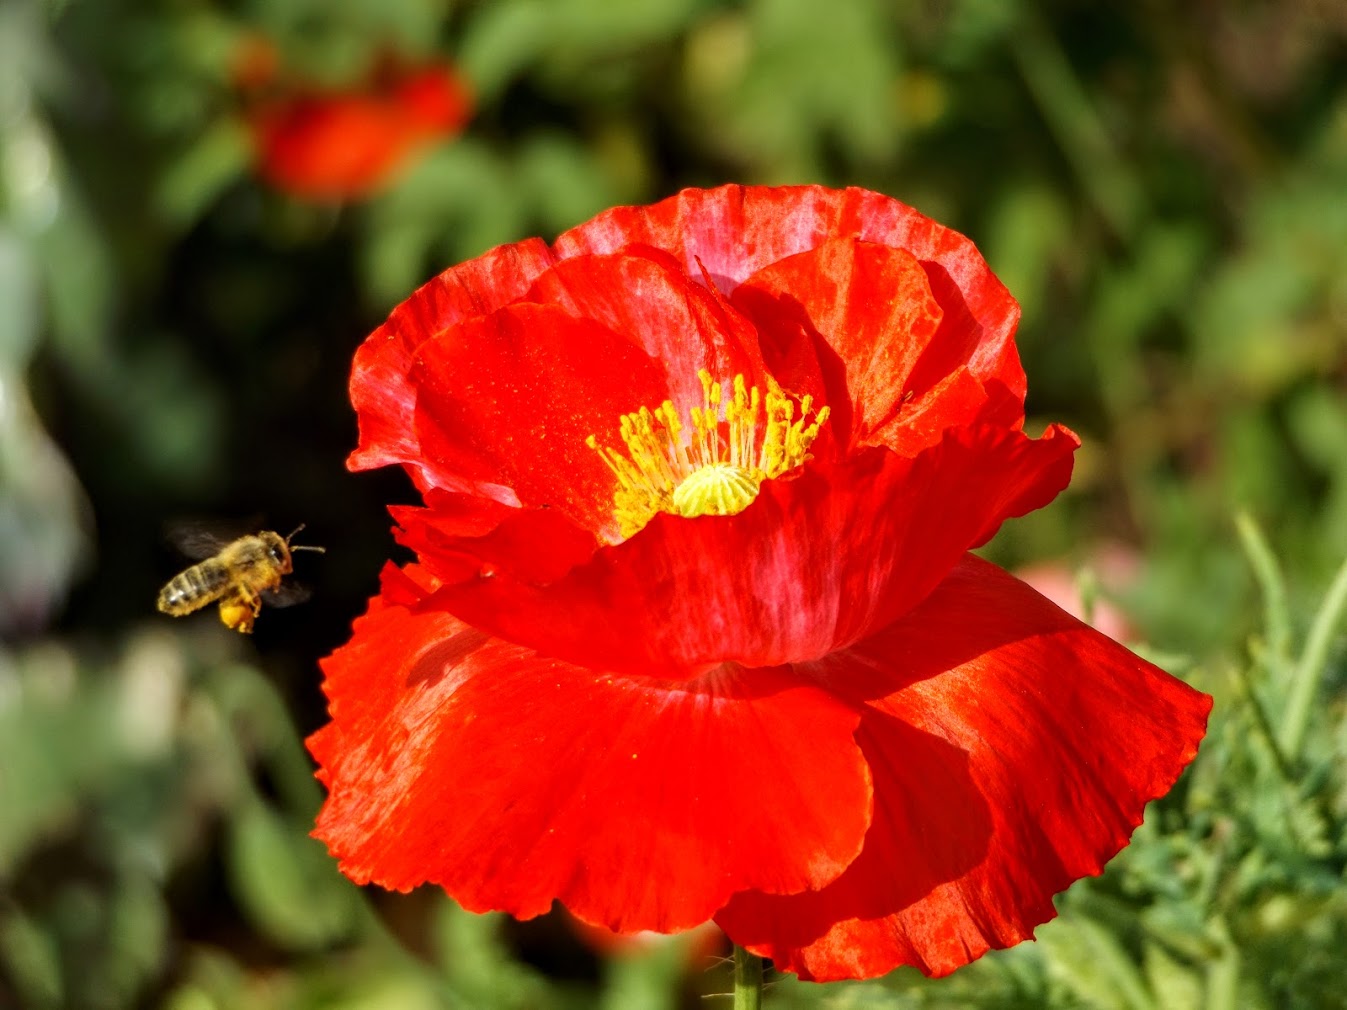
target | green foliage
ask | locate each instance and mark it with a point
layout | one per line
(1160, 186)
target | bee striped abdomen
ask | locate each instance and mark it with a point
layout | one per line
(194, 588)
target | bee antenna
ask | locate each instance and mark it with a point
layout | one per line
(302, 547)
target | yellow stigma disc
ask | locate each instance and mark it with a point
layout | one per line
(721, 465)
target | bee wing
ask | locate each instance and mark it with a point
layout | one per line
(287, 594)
(203, 538)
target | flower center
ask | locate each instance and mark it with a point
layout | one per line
(718, 469)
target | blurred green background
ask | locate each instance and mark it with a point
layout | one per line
(1163, 187)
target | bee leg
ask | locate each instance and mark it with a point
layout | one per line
(241, 611)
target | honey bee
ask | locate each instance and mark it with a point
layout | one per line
(240, 575)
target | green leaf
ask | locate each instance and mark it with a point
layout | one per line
(458, 202)
(200, 174)
(808, 76)
(1090, 961)
(1176, 986)
(567, 184)
(285, 881)
(29, 955)
(501, 39)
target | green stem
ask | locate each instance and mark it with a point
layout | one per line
(1276, 614)
(1262, 724)
(1309, 671)
(747, 980)
(1079, 127)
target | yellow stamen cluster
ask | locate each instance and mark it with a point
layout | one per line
(719, 467)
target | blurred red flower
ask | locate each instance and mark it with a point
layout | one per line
(335, 145)
(693, 632)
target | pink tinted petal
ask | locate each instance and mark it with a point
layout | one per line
(508, 399)
(816, 562)
(512, 780)
(381, 392)
(1013, 750)
(646, 297)
(735, 231)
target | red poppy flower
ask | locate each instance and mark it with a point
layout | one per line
(693, 632)
(342, 145)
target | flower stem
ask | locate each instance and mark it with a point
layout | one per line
(747, 980)
(1309, 672)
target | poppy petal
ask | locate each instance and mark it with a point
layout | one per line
(734, 231)
(467, 541)
(815, 563)
(645, 296)
(512, 780)
(455, 514)
(1013, 750)
(865, 310)
(381, 392)
(508, 400)
(884, 349)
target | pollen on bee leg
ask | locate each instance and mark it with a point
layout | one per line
(238, 615)
(731, 446)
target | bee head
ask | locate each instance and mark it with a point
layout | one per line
(278, 550)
